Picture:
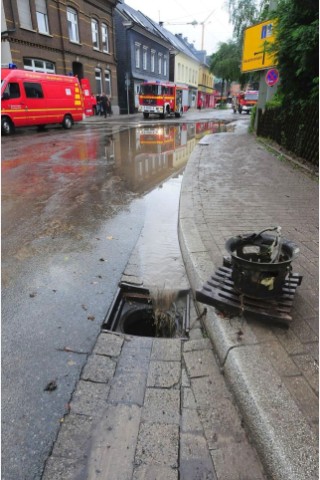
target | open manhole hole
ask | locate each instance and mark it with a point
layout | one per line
(137, 311)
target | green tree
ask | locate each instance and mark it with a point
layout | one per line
(244, 13)
(225, 63)
(297, 51)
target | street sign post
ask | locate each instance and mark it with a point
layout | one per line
(257, 40)
(272, 77)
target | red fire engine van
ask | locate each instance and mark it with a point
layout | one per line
(245, 101)
(90, 101)
(30, 98)
(163, 98)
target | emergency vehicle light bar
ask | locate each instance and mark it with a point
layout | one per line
(11, 66)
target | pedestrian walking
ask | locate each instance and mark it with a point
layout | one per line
(104, 105)
(98, 105)
(109, 109)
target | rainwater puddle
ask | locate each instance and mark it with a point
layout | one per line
(163, 152)
(157, 253)
(153, 296)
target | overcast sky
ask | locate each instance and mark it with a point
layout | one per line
(214, 14)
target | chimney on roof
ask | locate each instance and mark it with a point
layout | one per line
(161, 24)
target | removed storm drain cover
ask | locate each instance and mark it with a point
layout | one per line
(137, 311)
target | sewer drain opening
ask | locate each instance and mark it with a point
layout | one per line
(137, 311)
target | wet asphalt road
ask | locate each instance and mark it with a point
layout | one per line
(68, 227)
(72, 211)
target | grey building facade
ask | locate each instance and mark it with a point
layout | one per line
(142, 55)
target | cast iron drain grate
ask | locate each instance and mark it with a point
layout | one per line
(219, 292)
(137, 311)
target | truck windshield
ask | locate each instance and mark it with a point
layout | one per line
(251, 96)
(149, 89)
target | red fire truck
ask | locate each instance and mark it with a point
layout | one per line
(163, 99)
(245, 101)
(90, 101)
(30, 98)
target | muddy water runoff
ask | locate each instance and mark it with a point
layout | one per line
(162, 154)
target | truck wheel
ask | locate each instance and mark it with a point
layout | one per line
(146, 115)
(67, 122)
(7, 127)
(165, 113)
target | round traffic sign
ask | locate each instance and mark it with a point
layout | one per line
(272, 77)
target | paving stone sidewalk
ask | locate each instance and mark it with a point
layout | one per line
(153, 409)
(234, 185)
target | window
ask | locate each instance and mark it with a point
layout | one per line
(150, 89)
(145, 58)
(36, 65)
(105, 38)
(42, 16)
(33, 90)
(73, 29)
(98, 81)
(137, 54)
(95, 33)
(165, 66)
(160, 63)
(24, 13)
(13, 90)
(107, 82)
(153, 56)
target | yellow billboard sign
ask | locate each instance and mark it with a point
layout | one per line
(257, 39)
